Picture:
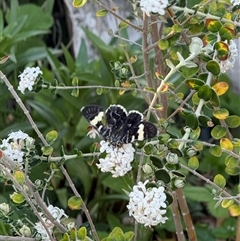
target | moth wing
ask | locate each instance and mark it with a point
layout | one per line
(146, 130)
(94, 114)
(115, 116)
(129, 127)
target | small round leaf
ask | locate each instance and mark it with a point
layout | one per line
(221, 114)
(218, 132)
(227, 203)
(19, 176)
(101, 13)
(75, 203)
(78, 3)
(205, 92)
(226, 144)
(213, 67)
(216, 151)
(193, 163)
(220, 88)
(233, 121)
(234, 210)
(220, 180)
(17, 198)
(163, 175)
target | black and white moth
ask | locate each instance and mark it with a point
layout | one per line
(118, 126)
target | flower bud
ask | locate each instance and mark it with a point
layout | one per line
(191, 152)
(172, 158)
(196, 46)
(4, 208)
(25, 231)
(147, 169)
(179, 183)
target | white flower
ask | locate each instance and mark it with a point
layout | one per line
(4, 208)
(25, 231)
(27, 78)
(13, 145)
(118, 158)
(154, 6)
(235, 2)
(92, 133)
(147, 206)
(57, 213)
(230, 61)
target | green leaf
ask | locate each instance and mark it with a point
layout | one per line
(75, 81)
(231, 161)
(220, 180)
(205, 92)
(213, 25)
(102, 13)
(78, 3)
(193, 163)
(192, 121)
(192, 192)
(19, 176)
(51, 137)
(47, 150)
(194, 135)
(129, 235)
(194, 83)
(99, 90)
(216, 151)
(156, 161)
(82, 233)
(75, 93)
(227, 203)
(195, 99)
(215, 99)
(218, 132)
(205, 120)
(163, 44)
(235, 141)
(209, 39)
(17, 198)
(148, 149)
(196, 28)
(233, 121)
(213, 67)
(188, 72)
(75, 203)
(226, 33)
(163, 138)
(232, 171)
(222, 49)
(69, 59)
(124, 24)
(163, 176)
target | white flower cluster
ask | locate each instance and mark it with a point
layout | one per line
(153, 6)
(118, 158)
(230, 61)
(13, 145)
(27, 78)
(147, 206)
(57, 213)
(235, 2)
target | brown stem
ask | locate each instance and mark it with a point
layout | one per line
(177, 219)
(186, 215)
